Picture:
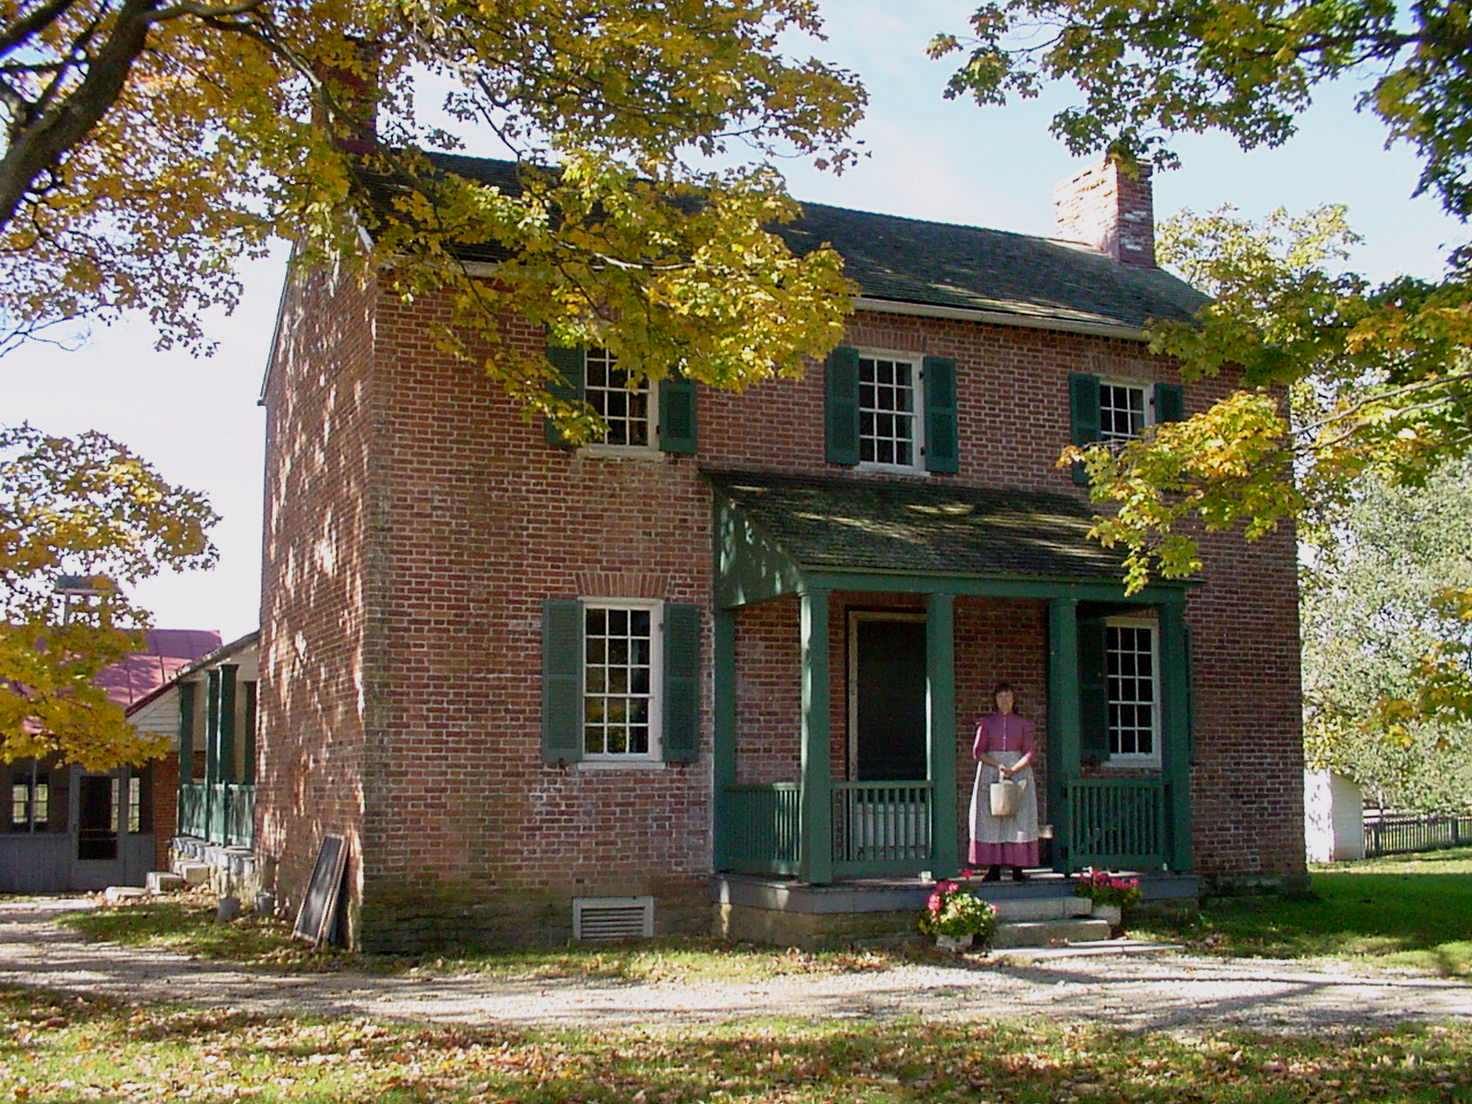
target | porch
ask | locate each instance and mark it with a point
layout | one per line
(927, 554)
(220, 808)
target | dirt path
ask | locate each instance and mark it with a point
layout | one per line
(1169, 992)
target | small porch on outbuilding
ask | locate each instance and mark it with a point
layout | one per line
(989, 583)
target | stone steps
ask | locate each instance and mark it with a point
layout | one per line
(1046, 933)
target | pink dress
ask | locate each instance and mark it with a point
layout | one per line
(1012, 840)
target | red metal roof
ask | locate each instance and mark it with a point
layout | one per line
(166, 652)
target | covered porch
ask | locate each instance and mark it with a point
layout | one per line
(989, 583)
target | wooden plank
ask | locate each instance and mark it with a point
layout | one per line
(316, 920)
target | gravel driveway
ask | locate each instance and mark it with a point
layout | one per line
(1158, 992)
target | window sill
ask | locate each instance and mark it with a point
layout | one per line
(1131, 762)
(596, 765)
(619, 452)
(889, 469)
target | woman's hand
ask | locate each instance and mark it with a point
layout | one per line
(1004, 771)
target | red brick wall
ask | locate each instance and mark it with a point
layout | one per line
(318, 580)
(164, 781)
(451, 520)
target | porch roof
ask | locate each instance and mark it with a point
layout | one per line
(779, 534)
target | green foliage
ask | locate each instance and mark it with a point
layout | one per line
(88, 507)
(1408, 911)
(1368, 620)
(148, 146)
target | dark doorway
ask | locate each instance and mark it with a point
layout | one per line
(887, 696)
(97, 823)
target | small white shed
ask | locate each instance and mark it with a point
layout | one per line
(1333, 817)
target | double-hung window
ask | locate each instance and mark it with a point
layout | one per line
(643, 419)
(620, 681)
(886, 410)
(890, 430)
(30, 798)
(1123, 411)
(1113, 411)
(1132, 668)
(621, 667)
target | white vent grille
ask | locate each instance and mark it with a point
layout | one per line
(604, 919)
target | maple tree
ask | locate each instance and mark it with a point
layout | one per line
(150, 144)
(82, 506)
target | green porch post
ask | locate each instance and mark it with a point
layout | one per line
(1175, 741)
(1065, 722)
(940, 675)
(211, 812)
(816, 812)
(723, 755)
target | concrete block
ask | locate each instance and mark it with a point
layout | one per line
(115, 895)
(1040, 908)
(1045, 933)
(194, 873)
(161, 881)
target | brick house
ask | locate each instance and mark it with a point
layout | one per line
(739, 647)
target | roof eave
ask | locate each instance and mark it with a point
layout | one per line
(1001, 318)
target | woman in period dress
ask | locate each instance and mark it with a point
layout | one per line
(1004, 749)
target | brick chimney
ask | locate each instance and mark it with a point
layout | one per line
(352, 83)
(1111, 208)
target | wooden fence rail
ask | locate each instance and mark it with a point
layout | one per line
(1403, 834)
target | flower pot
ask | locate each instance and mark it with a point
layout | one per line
(954, 943)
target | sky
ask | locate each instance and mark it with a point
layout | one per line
(198, 421)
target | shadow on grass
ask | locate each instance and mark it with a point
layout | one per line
(358, 1060)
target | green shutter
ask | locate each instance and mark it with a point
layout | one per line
(249, 761)
(562, 681)
(1093, 689)
(1190, 695)
(677, 414)
(941, 453)
(1170, 402)
(569, 362)
(1083, 404)
(681, 736)
(841, 410)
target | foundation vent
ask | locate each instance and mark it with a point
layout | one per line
(604, 919)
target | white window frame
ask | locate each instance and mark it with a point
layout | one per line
(916, 364)
(654, 755)
(1136, 759)
(1147, 410)
(651, 450)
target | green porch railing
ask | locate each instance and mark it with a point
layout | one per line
(1116, 822)
(763, 820)
(193, 810)
(222, 813)
(881, 827)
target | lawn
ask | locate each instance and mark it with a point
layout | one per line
(189, 927)
(1404, 911)
(58, 1048)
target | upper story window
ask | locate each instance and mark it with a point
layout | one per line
(1134, 698)
(1112, 411)
(890, 410)
(626, 409)
(890, 429)
(1123, 411)
(641, 419)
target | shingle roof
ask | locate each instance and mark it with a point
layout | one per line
(920, 528)
(912, 261)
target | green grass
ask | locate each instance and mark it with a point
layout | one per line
(61, 1048)
(190, 928)
(1405, 911)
